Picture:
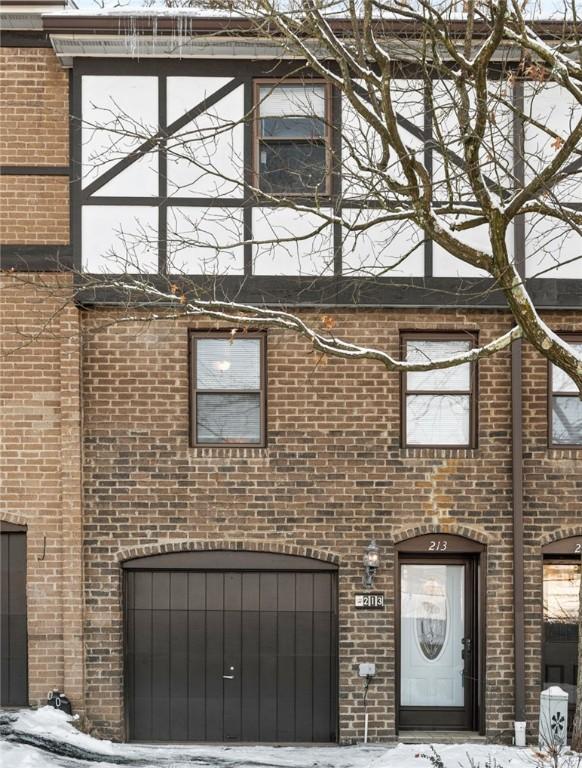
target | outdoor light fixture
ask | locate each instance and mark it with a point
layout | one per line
(371, 562)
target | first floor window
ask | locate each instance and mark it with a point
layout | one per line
(228, 397)
(438, 407)
(566, 405)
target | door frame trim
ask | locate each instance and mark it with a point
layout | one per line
(417, 548)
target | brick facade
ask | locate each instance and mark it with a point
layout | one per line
(34, 92)
(331, 477)
(96, 458)
(40, 470)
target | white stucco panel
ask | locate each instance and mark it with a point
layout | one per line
(287, 242)
(119, 114)
(362, 145)
(556, 112)
(449, 174)
(553, 249)
(447, 265)
(383, 249)
(205, 241)
(205, 158)
(118, 239)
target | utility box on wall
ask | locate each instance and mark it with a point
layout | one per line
(553, 718)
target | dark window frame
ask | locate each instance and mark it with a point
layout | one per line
(195, 334)
(473, 392)
(569, 337)
(327, 139)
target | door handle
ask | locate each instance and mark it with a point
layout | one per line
(228, 677)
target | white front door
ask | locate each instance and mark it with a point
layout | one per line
(431, 635)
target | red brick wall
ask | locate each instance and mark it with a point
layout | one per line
(34, 211)
(40, 470)
(333, 475)
(34, 93)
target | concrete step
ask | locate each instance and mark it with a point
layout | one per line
(441, 737)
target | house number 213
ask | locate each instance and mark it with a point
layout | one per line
(437, 546)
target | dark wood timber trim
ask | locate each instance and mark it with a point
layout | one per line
(35, 170)
(36, 258)
(12, 38)
(469, 293)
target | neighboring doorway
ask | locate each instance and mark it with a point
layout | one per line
(438, 637)
(231, 646)
(14, 642)
(561, 595)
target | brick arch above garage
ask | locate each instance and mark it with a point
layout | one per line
(192, 545)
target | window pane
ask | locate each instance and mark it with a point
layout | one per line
(567, 420)
(228, 364)
(561, 382)
(228, 418)
(292, 166)
(292, 101)
(423, 351)
(438, 419)
(292, 127)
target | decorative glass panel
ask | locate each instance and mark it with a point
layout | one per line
(228, 418)
(228, 364)
(423, 351)
(561, 382)
(567, 420)
(292, 166)
(561, 606)
(438, 419)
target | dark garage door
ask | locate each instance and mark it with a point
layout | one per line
(13, 672)
(231, 646)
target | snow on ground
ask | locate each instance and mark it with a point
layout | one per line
(46, 738)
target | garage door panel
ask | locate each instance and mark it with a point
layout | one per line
(250, 668)
(214, 663)
(304, 672)
(178, 664)
(322, 675)
(196, 671)
(268, 674)
(160, 671)
(231, 655)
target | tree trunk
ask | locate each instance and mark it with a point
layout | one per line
(577, 734)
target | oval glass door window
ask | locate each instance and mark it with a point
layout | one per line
(431, 623)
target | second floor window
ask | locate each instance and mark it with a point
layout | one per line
(228, 389)
(292, 138)
(565, 406)
(438, 406)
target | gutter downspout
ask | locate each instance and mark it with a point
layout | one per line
(517, 435)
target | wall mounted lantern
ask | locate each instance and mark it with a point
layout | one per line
(371, 562)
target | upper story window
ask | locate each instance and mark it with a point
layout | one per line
(565, 406)
(228, 389)
(438, 406)
(292, 138)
